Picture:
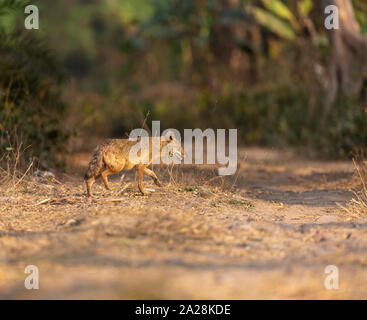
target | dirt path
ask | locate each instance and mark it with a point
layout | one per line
(269, 232)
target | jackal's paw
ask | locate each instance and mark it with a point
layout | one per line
(158, 183)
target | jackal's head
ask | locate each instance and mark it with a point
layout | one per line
(172, 147)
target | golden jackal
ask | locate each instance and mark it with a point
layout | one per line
(113, 156)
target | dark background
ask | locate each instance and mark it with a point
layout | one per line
(97, 69)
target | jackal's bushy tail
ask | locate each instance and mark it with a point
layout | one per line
(95, 165)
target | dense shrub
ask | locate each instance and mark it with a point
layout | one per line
(281, 115)
(30, 106)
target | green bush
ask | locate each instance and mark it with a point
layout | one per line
(286, 115)
(31, 109)
(281, 115)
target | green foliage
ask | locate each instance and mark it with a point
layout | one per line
(7, 6)
(255, 65)
(305, 7)
(279, 18)
(361, 14)
(274, 24)
(30, 106)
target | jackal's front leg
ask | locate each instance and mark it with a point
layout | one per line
(151, 174)
(140, 179)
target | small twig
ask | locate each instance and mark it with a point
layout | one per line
(170, 170)
(43, 201)
(114, 200)
(360, 175)
(25, 173)
(124, 187)
(235, 180)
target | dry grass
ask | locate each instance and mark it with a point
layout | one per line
(13, 168)
(357, 207)
(199, 236)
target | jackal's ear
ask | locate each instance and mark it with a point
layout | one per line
(169, 135)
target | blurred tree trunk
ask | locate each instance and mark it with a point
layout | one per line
(348, 53)
(222, 35)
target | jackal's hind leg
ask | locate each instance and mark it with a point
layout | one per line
(89, 182)
(151, 174)
(104, 175)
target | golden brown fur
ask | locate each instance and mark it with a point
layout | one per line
(112, 156)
